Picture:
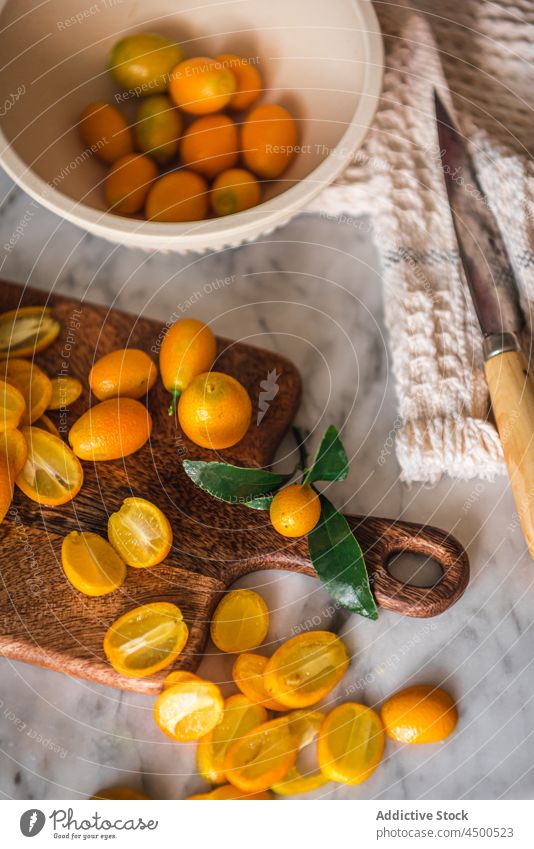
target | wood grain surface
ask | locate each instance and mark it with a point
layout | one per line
(512, 400)
(45, 621)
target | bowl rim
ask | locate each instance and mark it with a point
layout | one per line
(238, 225)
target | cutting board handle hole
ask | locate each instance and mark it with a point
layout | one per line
(415, 570)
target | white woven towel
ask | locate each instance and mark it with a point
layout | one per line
(479, 56)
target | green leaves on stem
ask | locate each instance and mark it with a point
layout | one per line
(331, 462)
(334, 550)
(338, 560)
(235, 485)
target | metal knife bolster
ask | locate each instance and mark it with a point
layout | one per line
(499, 343)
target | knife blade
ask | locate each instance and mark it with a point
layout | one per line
(484, 257)
(490, 278)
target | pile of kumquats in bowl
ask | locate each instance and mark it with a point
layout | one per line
(200, 144)
(250, 744)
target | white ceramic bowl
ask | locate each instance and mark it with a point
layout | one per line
(323, 60)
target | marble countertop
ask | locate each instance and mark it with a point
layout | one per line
(311, 291)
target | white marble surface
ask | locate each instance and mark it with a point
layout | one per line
(311, 291)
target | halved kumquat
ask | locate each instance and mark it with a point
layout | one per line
(65, 391)
(91, 564)
(350, 743)
(240, 715)
(146, 639)
(240, 621)
(12, 406)
(262, 756)
(26, 331)
(140, 532)
(51, 474)
(247, 673)
(34, 385)
(306, 668)
(305, 725)
(189, 710)
(14, 448)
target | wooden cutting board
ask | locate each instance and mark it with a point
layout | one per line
(45, 621)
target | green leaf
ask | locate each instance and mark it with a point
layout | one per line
(232, 483)
(339, 562)
(331, 462)
(262, 502)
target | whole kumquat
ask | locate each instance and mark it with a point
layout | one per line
(110, 430)
(295, 510)
(350, 743)
(105, 131)
(128, 183)
(146, 639)
(142, 62)
(247, 77)
(127, 372)
(180, 196)
(188, 349)
(240, 621)
(201, 85)
(419, 714)
(51, 474)
(210, 145)
(26, 331)
(91, 564)
(215, 411)
(268, 140)
(240, 715)
(33, 384)
(140, 532)
(306, 668)
(234, 191)
(158, 128)
(189, 710)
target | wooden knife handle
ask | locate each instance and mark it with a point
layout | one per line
(512, 398)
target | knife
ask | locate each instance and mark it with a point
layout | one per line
(493, 288)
